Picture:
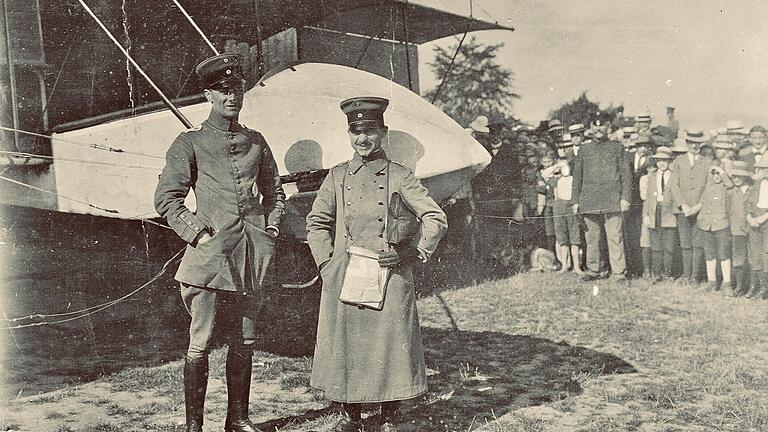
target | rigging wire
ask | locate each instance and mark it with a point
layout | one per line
(194, 24)
(450, 66)
(39, 156)
(67, 141)
(82, 313)
(136, 218)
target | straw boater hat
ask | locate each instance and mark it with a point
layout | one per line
(664, 153)
(695, 136)
(480, 124)
(566, 142)
(643, 118)
(577, 128)
(735, 127)
(680, 146)
(723, 142)
(555, 126)
(628, 131)
(739, 169)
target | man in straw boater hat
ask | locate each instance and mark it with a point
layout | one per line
(742, 179)
(737, 133)
(724, 151)
(602, 188)
(752, 153)
(691, 171)
(633, 218)
(643, 124)
(756, 208)
(659, 216)
(369, 350)
(230, 237)
(577, 136)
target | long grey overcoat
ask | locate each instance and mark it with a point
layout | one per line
(229, 167)
(365, 355)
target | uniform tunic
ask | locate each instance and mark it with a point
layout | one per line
(229, 167)
(365, 355)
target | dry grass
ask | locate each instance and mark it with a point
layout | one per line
(535, 352)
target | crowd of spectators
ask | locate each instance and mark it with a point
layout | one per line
(621, 199)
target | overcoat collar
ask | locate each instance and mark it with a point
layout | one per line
(223, 124)
(376, 163)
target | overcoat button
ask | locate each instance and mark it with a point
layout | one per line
(381, 202)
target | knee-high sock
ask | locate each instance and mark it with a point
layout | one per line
(712, 270)
(697, 258)
(725, 268)
(687, 257)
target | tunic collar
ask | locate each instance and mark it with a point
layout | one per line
(376, 163)
(223, 124)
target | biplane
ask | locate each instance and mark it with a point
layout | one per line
(84, 130)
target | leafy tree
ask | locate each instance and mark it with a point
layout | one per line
(475, 85)
(582, 110)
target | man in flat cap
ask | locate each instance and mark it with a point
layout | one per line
(364, 353)
(230, 236)
(602, 188)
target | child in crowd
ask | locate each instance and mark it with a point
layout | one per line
(545, 198)
(645, 234)
(737, 196)
(713, 221)
(659, 216)
(757, 214)
(567, 225)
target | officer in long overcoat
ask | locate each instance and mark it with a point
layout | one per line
(364, 355)
(230, 236)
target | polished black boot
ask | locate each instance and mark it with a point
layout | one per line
(351, 420)
(390, 416)
(195, 385)
(238, 392)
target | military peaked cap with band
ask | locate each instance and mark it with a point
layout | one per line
(364, 111)
(220, 69)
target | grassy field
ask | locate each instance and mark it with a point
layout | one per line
(534, 352)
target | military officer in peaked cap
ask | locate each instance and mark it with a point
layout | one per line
(230, 236)
(367, 355)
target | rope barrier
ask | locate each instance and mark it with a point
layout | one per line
(93, 146)
(82, 313)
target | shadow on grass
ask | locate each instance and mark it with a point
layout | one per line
(476, 376)
(482, 374)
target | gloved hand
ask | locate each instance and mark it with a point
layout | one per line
(398, 256)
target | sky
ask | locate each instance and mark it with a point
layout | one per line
(707, 58)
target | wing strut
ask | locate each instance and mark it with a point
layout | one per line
(127, 55)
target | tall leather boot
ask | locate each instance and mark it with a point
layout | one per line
(195, 386)
(238, 391)
(756, 284)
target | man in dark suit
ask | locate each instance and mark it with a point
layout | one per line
(602, 188)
